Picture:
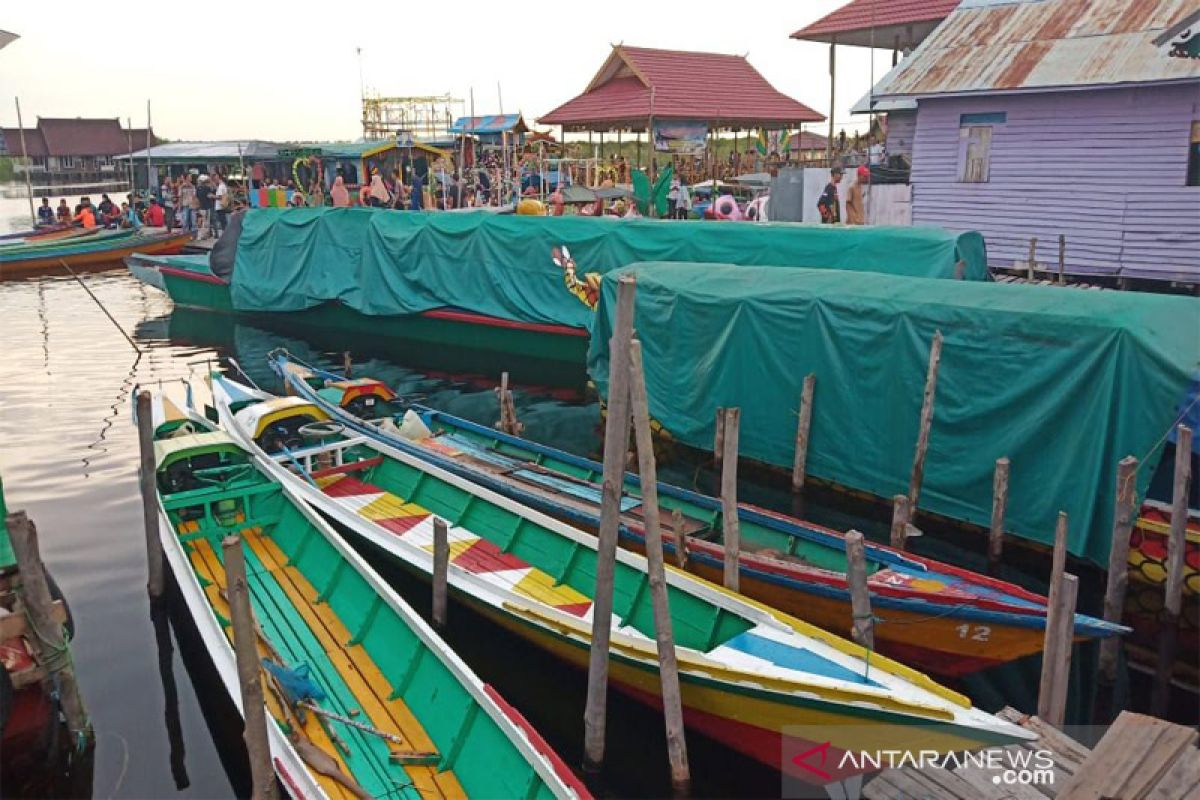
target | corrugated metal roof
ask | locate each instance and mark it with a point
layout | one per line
(208, 151)
(490, 124)
(674, 84)
(990, 45)
(878, 23)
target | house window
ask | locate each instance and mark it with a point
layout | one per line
(66, 162)
(104, 161)
(1193, 163)
(975, 145)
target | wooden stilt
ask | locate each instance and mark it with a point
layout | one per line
(800, 464)
(668, 668)
(441, 566)
(1031, 264)
(1118, 562)
(719, 438)
(1056, 652)
(918, 468)
(46, 632)
(1173, 589)
(1062, 259)
(1051, 653)
(616, 446)
(347, 364)
(505, 424)
(999, 507)
(729, 508)
(900, 514)
(681, 553)
(863, 630)
(245, 645)
(154, 551)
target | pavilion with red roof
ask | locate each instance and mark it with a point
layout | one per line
(897, 24)
(639, 87)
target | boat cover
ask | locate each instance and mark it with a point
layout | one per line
(1065, 382)
(383, 262)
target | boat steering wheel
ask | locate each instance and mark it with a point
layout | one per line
(222, 476)
(320, 430)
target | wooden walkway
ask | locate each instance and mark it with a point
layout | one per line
(1139, 758)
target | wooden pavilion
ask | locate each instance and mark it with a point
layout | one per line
(681, 99)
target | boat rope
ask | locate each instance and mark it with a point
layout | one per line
(111, 318)
(1162, 439)
(949, 611)
(353, 723)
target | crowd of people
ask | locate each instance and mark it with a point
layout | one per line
(105, 214)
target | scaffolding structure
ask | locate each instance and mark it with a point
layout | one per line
(427, 119)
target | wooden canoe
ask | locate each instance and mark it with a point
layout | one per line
(352, 673)
(93, 252)
(749, 675)
(939, 618)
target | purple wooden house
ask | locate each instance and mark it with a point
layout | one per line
(1035, 118)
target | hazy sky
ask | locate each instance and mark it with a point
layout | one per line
(288, 71)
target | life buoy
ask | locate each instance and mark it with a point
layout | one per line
(725, 207)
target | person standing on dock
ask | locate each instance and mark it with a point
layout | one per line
(827, 203)
(339, 193)
(221, 198)
(856, 203)
(204, 198)
(187, 205)
(166, 194)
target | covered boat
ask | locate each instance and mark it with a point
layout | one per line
(748, 674)
(363, 698)
(936, 617)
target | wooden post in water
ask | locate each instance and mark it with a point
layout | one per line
(1062, 259)
(668, 667)
(900, 514)
(918, 468)
(800, 464)
(1118, 562)
(681, 553)
(154, 552)
(1051, 654)
(1030, 264)
(47, 632)
(1056, 652)
(504, 424)
(1173, 589)
(441, 566)
(245, 646)
(863, 624)
(999, 507)
(347, 364)
(729, 505)
(616, 448)
(719, 438)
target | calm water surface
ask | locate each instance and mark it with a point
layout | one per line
(69, 456)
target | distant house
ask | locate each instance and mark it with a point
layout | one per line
(73, 151)
(1035, 118)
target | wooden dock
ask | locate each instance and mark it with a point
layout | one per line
(1139, 758)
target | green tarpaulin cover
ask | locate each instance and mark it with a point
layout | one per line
(388, 262)
(1064, 382)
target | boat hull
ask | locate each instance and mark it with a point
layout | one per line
(102, 257)
(438, 327)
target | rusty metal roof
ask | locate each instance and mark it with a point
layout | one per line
(1013, 45)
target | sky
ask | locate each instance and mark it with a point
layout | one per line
(289, 71)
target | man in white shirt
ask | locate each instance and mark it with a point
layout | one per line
(221, 205)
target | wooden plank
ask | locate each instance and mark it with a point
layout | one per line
(1181, 781)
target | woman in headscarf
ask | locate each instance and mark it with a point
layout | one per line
(316, 195)
(378, 196)
(339, 193)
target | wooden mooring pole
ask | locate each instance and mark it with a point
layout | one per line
(803, 422)
(1062, 259)
(900, 515)
(1118, 563)
(918, 468)
(245, 646)
(1052, 688)
(46, 635)
(719, 438)
(668, 667)
(680, 537)
(1030, 265)
(863, 624)
(1173, 589)
(347, 364)
(730, 526)
(441, 566)
(616, 448)
(147, 469)
(999, 508)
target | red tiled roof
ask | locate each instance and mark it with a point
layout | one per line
(807, 140)
(33, 140)
(701, 86)
(859, 16)
(88, 137)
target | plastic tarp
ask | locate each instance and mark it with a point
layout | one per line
(384, 262)
(1064, 382)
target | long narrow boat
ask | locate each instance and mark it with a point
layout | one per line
(41, 230)
(750, 675)
(363, 697)
(46, 238)
(103, 248)
(939, 618)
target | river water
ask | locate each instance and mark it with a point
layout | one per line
(164, 727)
